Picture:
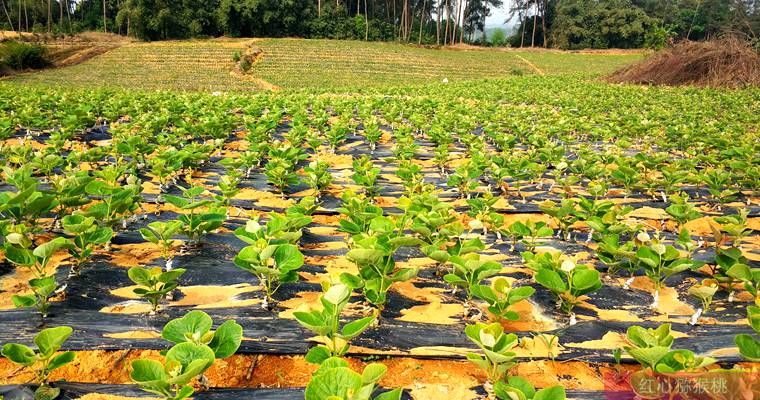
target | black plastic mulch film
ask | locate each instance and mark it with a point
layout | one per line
(88, 294)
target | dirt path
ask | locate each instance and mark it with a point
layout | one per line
(531, 65)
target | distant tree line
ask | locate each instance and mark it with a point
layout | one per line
(580, 24)
(551, 23)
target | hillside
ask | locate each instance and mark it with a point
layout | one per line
(296, 64)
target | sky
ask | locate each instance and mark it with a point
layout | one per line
(499, 15)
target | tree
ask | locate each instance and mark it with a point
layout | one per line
(498, 37)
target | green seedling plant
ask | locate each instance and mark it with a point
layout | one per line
(373, 255)
(365, 175)
(469, 270)
(659, 261)
(44, 360)
(750, 278)
(527, 233)
(274, 261)
(735, 226)
(652, 349)
(326, 324)
(500, 296)
(86, 235)
(359, 213)
(704, 292)
(334, 380)
(602, 217)
(681, 211)
(567, 281)
(228, 187)
(117, 201)
(563, 214)
(464, 178)
(44, 284)
(617, 255)
(749, 346)
(482, 209)
(194, 223)
(497, 350)
(154, 284)
(162, 234)
(171, 378)
(318, 177)
(195, 327)
(517, 388)
(411, 176)
(372, 133)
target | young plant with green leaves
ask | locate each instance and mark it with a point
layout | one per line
(735, 226)
(652, 349)
(270, 255)
(682, 211)
(564, 214)
(326, 323)
(194, 223)
(86, 235)
(195, 348)
(154, 284)
(517, 388)
(365, 175)
(527, 233)
(469, 270)
(567, 281)
(501, 296)
(162, 234)
(335, 380)
(373, 255)
(497, 350)
(659, 262)
(44, 360)
(318, 177)
(43, 284)
(704, 292)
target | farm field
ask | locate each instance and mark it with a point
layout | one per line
(305, 64)
(390, 236)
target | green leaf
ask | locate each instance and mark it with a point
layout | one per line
(365, 256)
(355, 328)
(49, 248)
(753, 316)
(61, 360)
(49, 340)
(338, 382)
(585, 278)
(46, 392)
(550, 393)
(551, 280)
(19, 354)
(748, 346)
(147, 370)
(140, 276)
(394, 394)
(195, 324)
(184, 392)
(187, 353)
(226, 339)
(20, 256)
(23, 301)
(288, 257)
(372, 373)
(317, 354)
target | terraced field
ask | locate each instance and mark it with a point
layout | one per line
(312, 64)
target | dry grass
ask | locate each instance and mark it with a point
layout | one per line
(727, 62)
